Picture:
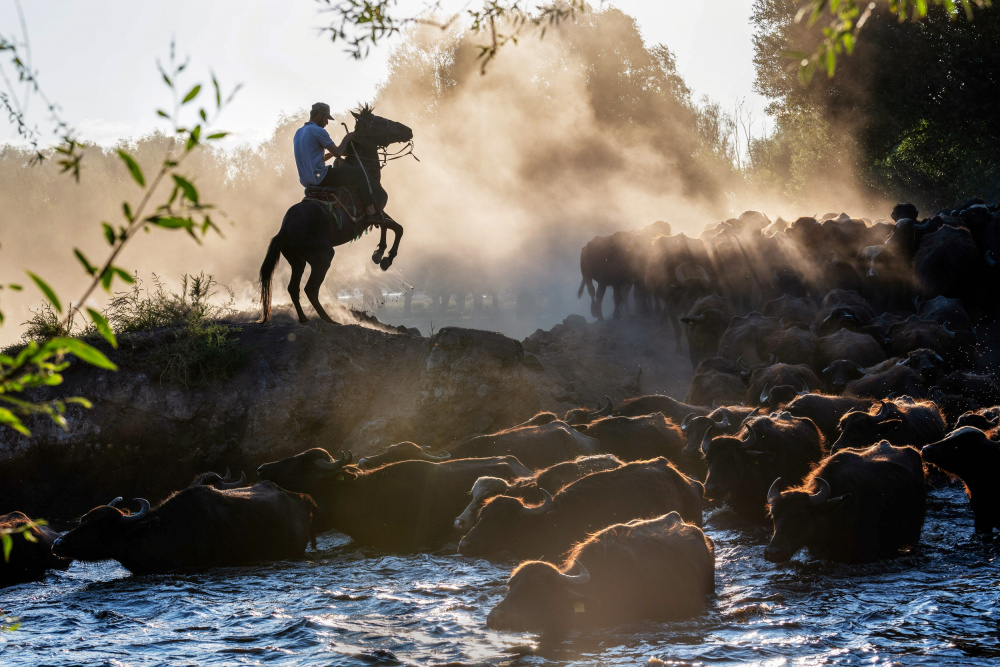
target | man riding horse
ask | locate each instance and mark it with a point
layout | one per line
(313, 147)
(341, 202)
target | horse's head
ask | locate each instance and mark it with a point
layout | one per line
(377, 131)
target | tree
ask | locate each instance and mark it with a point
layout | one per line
(912, 112)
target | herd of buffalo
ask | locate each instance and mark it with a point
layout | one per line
(841, 367)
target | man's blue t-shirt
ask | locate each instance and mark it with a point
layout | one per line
(311, 142)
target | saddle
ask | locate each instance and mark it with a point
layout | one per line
(341, 203)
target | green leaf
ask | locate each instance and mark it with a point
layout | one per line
(106, 279)
(126, 277)
(190, 192)
(8, 418)
(171, 222)
(218, 92)
(86, 353)
(109, 233)
(90, 268)
(127, 211)
(162, 114)
(103, 327)
(218, 135)
(193, 93)
(14, 286)
(52, 379)
(49, 294)
(8, 546)
(133, 167)
(81, 401)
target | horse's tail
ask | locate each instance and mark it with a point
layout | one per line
(266, 271)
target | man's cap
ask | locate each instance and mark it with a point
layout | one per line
(320, 107)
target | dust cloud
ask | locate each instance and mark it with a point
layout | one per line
(585, 132)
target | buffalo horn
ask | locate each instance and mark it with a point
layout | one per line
(774, 492)
(765, 394)
(543, 508)
(882, 412)
(686, 421)
(443, 456)
(581, 577)
(951, 334)
(989, 259)
(805, 385)
(114, 503)
(143, 510)
(706, 440)
(702, 273)
(329, 466)
(822, 491)
(751, 438)
(725, 419)
(608, 408)
(827, 370)
(747, 418)
(679, 273)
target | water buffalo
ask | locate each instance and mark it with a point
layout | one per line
(825, 411)
(860, 348)
(901, 421)
(534, 446)
(971, 455)
(764, 379)
(638, 438)
(529, 489)
(705, 322)
(793, 345)
(196, 527)
(857, 506)
(659, 569)
(509, 529)
(716, 381)
(723, 421)
(30, 555)
(741, 469)
(404, 506)
(401, 451)
(608, 261)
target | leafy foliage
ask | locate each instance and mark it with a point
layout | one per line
(912, 113)
(847, 17)
(362, 24)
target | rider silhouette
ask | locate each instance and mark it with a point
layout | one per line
(313, 147)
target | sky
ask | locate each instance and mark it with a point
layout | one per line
(97, 59)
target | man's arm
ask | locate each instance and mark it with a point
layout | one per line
(333, 150)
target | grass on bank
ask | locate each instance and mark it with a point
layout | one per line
(177, 336)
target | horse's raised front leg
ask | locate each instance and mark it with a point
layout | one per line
(319, 264)
(397, 231)
(380, 250)
(298, 268)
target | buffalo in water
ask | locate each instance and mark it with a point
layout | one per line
(970, 454)
(403, 506)
(529, 489)
(856, 506)
(196, 527)
(659, 569)
(509, 529)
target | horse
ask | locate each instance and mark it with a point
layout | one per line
(309, 232)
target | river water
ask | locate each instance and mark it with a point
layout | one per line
(344, 606)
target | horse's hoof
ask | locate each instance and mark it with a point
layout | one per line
(303, 320)
(385, 263)
(377, 257)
